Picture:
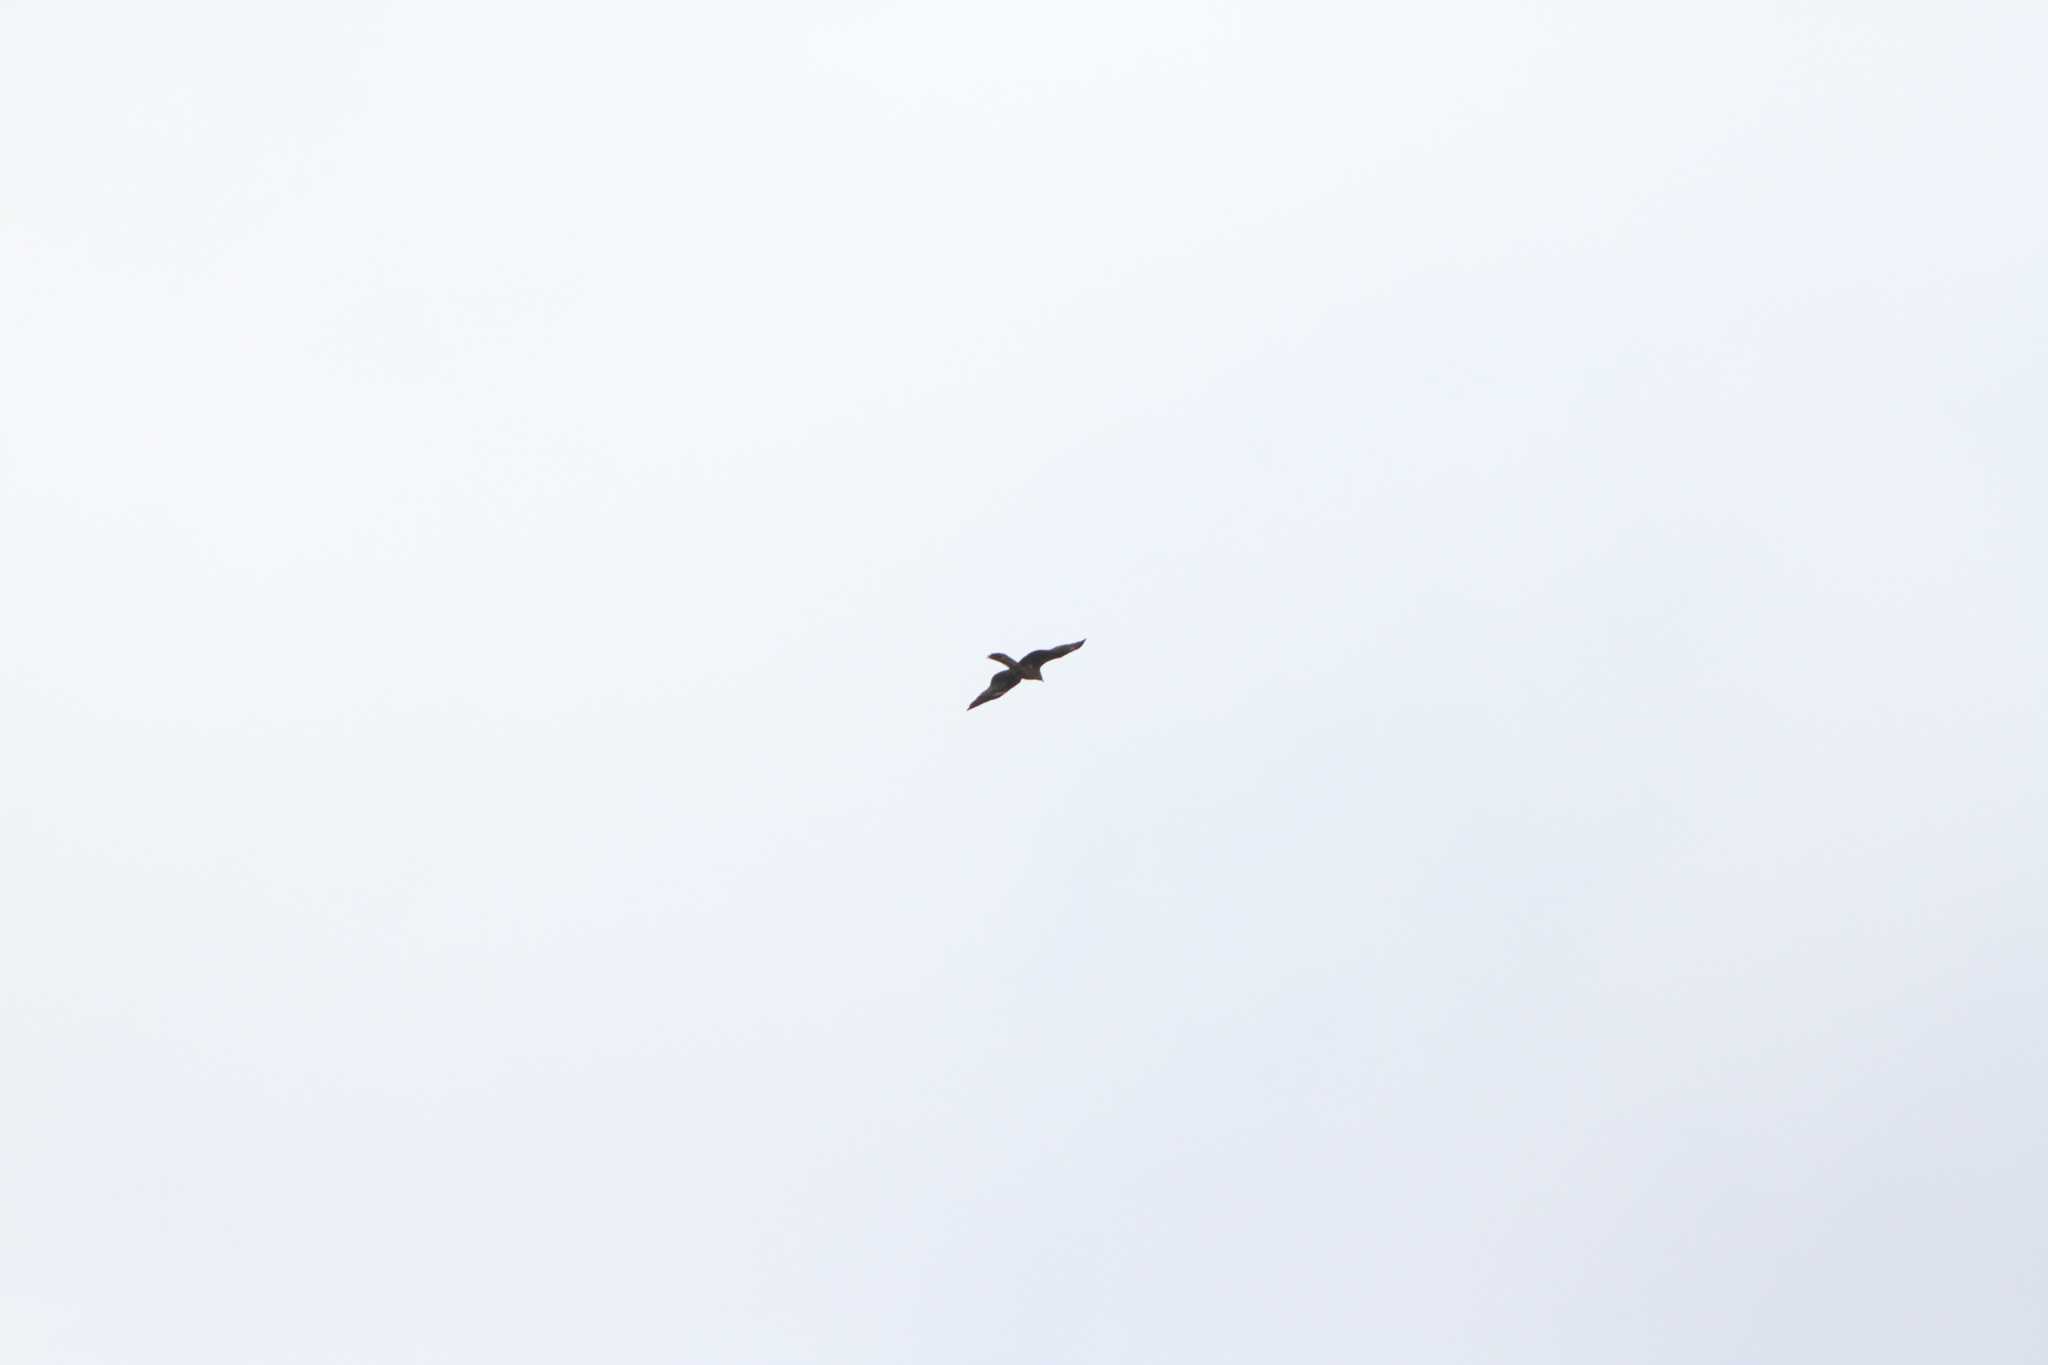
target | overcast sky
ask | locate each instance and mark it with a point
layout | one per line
(502, 508)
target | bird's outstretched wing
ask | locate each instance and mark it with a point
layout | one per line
(999, 684)
(1039, 657)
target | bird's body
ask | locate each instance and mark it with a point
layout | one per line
(1020, 670)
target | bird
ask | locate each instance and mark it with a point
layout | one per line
(1017, 670)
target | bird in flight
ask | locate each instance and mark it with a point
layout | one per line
(1017, 670)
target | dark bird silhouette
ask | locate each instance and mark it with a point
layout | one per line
(1017, 670)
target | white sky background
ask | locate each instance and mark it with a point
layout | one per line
(501, 510)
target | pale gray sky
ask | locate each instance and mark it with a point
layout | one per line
(1541, 860)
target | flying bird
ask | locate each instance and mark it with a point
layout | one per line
(1017, 670)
